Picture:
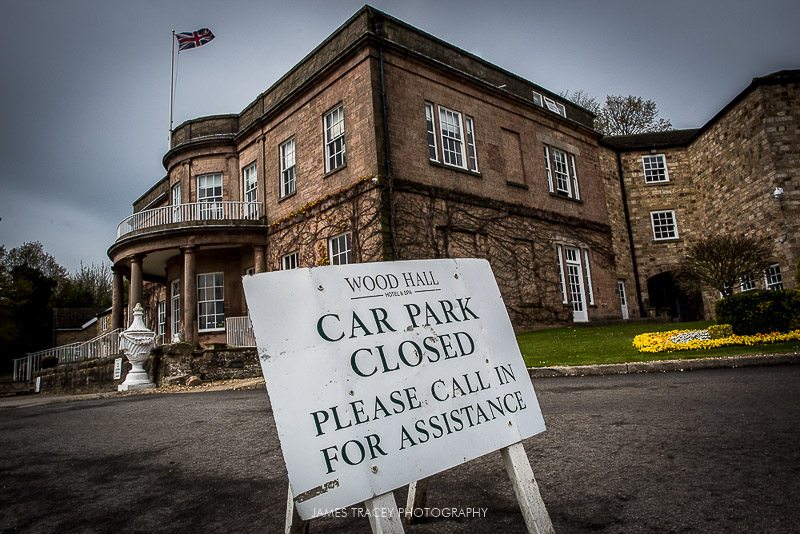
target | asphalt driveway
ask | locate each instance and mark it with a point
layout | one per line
(700, 451)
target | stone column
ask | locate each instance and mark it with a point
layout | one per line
(137, 286)
(260, 258)
(116, 300)
(189, 295)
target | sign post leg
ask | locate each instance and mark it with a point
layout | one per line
(294, 523)
(526, 489)
(384, 517)
(417, 498)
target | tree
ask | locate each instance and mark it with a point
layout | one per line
(29, 277)
(621, 115)
(31, 284)
(89, 287)
(721, 261)
(583, 99)
(628, 115)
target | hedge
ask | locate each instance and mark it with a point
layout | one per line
(761, 311)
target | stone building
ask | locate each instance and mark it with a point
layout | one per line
(737, 174)
(387, 143)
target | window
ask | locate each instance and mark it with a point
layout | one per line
(456, 138)
(176, 202)
(549, 103)
(334, 139)
(175, 308)
(747, 282)
(772, 277)
(290, 261)
(432, 153)
(250, 191)
(161, 314)
(664, 226)
(562, 177)
(472, 154)
(555, 107)
(452, 139)
(286, 156)
(210, 302)
(209, 195)
(339, 249)
(655, 169)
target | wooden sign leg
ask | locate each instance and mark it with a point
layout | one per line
(526, 489)
(417, 498)
(384, 517)
(294, 523)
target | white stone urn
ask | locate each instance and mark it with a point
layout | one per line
(136, 343)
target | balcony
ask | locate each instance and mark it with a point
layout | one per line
(190, 213)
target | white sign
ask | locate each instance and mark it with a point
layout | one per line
(117, 368)
(381, 374)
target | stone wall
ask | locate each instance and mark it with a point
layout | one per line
(519, 243)
(170, 364)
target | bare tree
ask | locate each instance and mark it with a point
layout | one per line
(628, 115)
(583, 99)
(721, 261)
(621, 115)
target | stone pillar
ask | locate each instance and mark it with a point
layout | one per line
(137, 286)
(260, 258)
(116, 300)
(189, 295)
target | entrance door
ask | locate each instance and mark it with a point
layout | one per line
(577, 291)
(623, 298)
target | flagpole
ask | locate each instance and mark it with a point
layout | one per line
(171, 88)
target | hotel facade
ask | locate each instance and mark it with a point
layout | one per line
(386, 143)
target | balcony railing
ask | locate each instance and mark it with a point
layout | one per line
(194, 212)
(99, 347)
(239, 332)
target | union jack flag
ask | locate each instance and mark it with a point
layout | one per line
(194, 39)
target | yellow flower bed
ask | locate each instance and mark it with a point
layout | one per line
(660, 341)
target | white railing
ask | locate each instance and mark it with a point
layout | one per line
(25, 367)
(239, 331)
(197, 211)
(99, 347)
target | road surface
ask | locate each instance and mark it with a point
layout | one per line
(702, 451)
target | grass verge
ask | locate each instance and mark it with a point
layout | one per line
(589, 345)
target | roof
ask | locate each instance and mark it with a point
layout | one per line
(666, 139)
(678, 138)
(73, 318)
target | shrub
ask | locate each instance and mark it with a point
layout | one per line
(719, 331)
(761, 311)
(48, 362)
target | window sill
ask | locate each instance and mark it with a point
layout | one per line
(290, 195)
(455, 168)
(667, 240)
(517, 185)
(663, 182)
(565, 197)
(211, 330)
(334, 171)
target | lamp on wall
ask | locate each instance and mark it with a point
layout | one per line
(777, 194)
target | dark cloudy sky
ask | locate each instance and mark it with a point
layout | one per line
(84, 84)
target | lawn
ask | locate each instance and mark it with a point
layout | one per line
(586, 345)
